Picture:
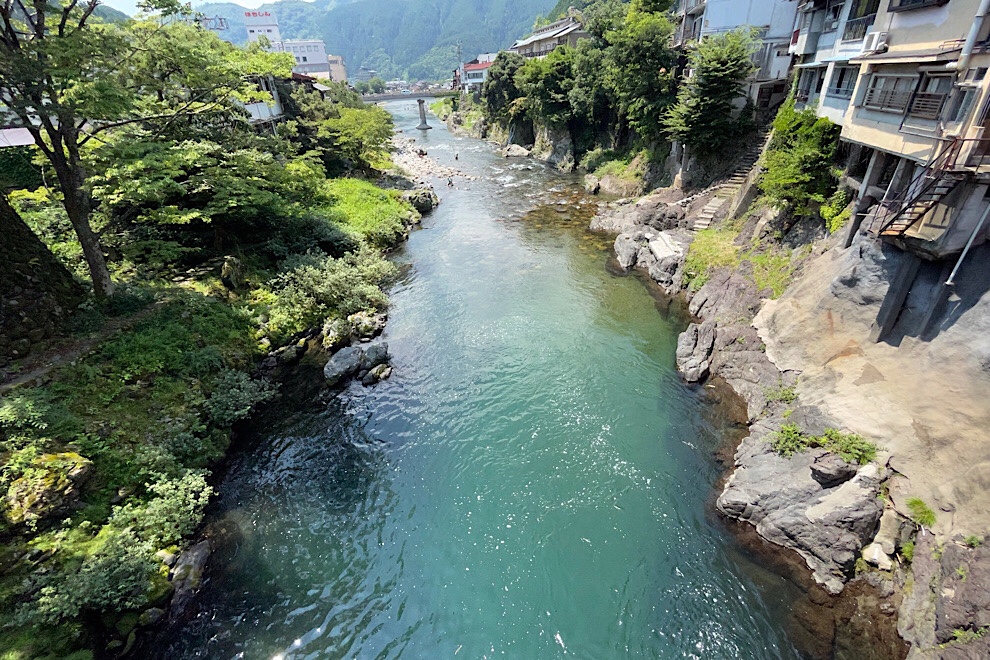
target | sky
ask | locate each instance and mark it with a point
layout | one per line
(129, 7)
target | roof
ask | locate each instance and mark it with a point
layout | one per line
(477, 66)
(544, 34)
(909, 56)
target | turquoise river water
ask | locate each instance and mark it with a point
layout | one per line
(534, 481)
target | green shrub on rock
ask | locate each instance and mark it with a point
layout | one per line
(853, 448)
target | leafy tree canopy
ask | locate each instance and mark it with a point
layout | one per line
(703, 118)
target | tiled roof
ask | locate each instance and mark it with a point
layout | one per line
(480, 66)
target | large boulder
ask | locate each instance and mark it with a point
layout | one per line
(352, 360)
(652, 211)
(187, 576)
(515, 151)
(781, 496)
(554, 146)
(423, 200)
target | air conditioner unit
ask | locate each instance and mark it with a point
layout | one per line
(875, 41)
(831, 25)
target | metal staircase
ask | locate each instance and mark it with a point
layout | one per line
(925, 191)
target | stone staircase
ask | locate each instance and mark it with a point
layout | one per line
(728, 188)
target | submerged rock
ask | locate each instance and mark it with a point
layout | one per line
(187, 576)
(352, 360)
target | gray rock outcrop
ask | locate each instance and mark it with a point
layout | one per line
(515, 151)
(554, 146)
(423, 200)
(351, 360)
(789, 506)
(187, 576)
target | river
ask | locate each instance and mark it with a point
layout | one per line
(533, 481)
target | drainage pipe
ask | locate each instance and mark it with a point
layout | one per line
(974, 32)
(969, 243)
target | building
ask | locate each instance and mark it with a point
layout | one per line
(907, 80)
(338, 70)
(564, 32)
(774, 22)
(311, 54)
(474, 74)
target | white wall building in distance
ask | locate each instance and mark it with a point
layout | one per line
(310, 54)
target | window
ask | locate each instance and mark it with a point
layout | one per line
(961, 103)
(843, 82)
(251, 31)
(889, 93)
(833, 14)
(304, 58)
(905, 5)
(927, 102)
(860, 20)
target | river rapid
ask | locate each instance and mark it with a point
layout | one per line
(533, 481)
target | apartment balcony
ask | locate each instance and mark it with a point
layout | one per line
(858, 27)
(887, 100)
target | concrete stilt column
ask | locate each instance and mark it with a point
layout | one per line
(423, 126)
(893, 302)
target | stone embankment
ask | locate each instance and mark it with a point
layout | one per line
(807, 361)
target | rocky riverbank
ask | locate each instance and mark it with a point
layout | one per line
(817, 371)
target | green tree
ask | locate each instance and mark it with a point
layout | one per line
(703, 118)
(500, 91)
(67, 78)
(546, 83)
(376, 85)
(798, 165)
(638, 70)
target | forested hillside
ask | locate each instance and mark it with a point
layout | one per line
(405, 38)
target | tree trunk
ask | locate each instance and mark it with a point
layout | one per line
(37, 293)
(78, 207)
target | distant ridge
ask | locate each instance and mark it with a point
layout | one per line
(414, 39)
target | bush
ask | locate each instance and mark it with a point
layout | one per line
(379, 216)
(790, 439)
(782, 393)
(920, 512)
(234, 395)
(907, 551)
(114, 578)
(174, 510)
(317, 288)
(836, 211)
(798, 163)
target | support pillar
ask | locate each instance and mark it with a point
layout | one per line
(423, 126)
(893, 302)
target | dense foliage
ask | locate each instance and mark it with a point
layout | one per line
(610, 91)
(398, 38)
(799, 163)
(223, 240)
(705, 116)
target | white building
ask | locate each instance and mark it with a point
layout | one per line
(564, 32)
(773, 21)
(311, 54)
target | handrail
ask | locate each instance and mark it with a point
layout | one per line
(892, 208)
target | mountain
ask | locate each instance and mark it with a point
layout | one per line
(417, 39)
